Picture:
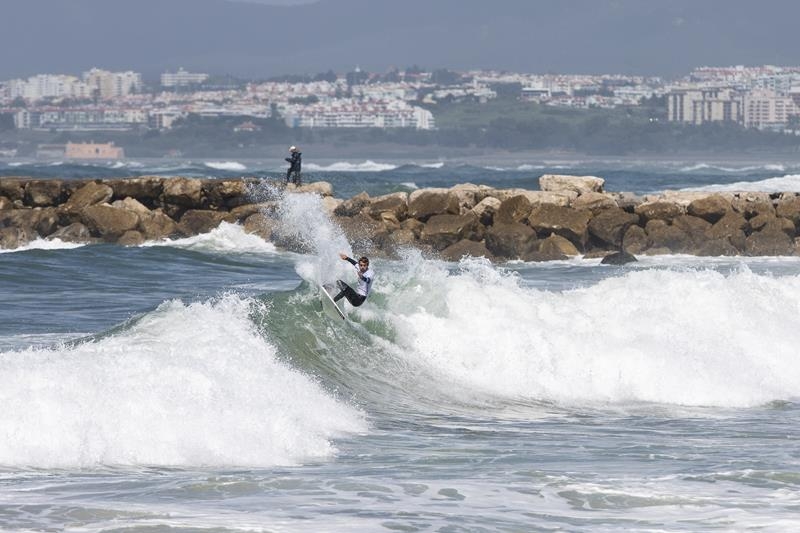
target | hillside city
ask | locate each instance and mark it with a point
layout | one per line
(762, 97)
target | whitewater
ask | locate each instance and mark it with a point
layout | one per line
(196, 385)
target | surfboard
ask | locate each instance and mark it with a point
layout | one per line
(329, 307)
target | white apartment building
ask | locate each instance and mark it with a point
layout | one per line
(182, 78)
(351, 114)
(768, 109)
(701, 105)
(113, 84)
(49, 86)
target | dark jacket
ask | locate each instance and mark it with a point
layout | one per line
(295, 162)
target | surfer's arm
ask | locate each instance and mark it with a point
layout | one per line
(348, 259)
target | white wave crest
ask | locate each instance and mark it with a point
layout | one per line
(680, 338)
(344, 166)
(226, 237)
(787, 183)
(44, 244)
(225, 165)
(774, 167)
(188, 385)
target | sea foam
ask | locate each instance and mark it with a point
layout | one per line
(186, 385)
(691, 337)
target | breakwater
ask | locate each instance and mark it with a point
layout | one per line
(569, 215)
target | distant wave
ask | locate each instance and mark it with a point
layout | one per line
(410, 185)
(433, 165)
(43, 244)
(750, 168)
(344, 166)
(225, 165)
(788, 183)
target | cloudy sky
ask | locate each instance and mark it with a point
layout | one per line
(263, 38)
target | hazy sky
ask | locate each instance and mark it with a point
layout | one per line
(254, 39)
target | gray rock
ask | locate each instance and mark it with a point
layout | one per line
(92, 193)
(514, 209)
(610, 225)
(352, 206)
(569, 223)
(442, 231)
(43, 193)
(510, 241)
(424, 203)
(465, 248)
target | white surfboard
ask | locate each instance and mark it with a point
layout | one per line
(329, 307)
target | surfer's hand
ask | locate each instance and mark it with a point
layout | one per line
(343, 256)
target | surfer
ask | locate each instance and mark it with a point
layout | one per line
(365, 276)
(295, 162)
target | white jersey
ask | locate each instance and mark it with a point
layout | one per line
(364, 281)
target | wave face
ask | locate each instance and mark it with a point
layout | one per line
(690, 337)
(183, 385)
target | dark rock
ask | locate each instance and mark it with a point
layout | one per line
(610, 225)
(395, 204)
(76, 232)
(425, 203)
(196, 221)
(514, 209)
(157, 226)
(770, 241)
(43, 193)
(711, 208)
(131, 238)
(109, 222)
(569, 223)
(465, 248)
(353, 206)
(90, 194)
(618, 258)
(635, 240)
(510, 241)
(442, 231)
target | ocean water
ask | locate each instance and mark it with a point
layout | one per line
(196, 385)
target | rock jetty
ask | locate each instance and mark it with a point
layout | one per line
(569, 216)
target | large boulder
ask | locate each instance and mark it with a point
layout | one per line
(557, 246)
(788, 206)
(90, 194)
(465, 248)
(514, 209)
(146, 189)
(486, 209)
(352, 206)
(424, 203)
(226, 194)
(442, 231)
(75, 232)
(43, 193)
(360, 230)
(260, 224)
(569, 223)
(322, 188)
(694, 227)
(196, 221)
(13, 188)
(594, 201)
(395, 203)
(771, 241)
(468, 195)
(510, 241)
(578, 184)
(184, 192)
(767, 222)
(663, 235)
(109, 222)
(13, 237)
(711, 208)
(610, 225)
(751, 204)
(155, 226)
(659, 210)
(5, 203)
(537, 197)
(635, 240)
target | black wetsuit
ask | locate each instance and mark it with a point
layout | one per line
(355, 297)
(295, 163)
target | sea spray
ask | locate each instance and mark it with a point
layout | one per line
(675, 337)
(184, 385)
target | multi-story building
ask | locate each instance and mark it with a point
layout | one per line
(701, 105)
(768, 109)
(353, 114)
(113, 84)
(182, 78)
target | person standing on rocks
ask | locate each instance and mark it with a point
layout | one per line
(295, 164)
